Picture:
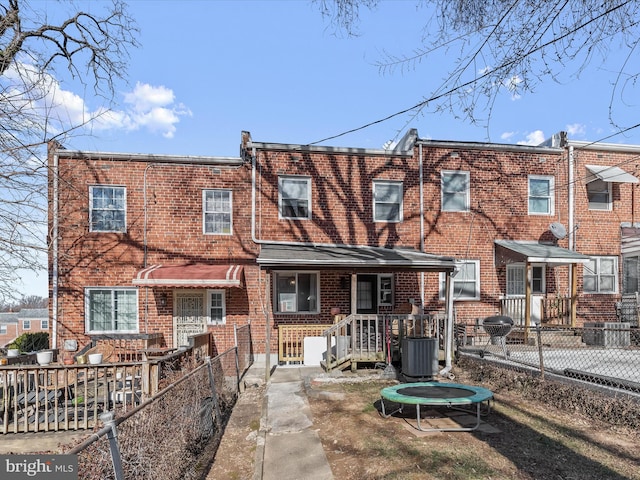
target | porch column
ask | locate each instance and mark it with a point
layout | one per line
(574, 292)
(527, 296)
(267, 346)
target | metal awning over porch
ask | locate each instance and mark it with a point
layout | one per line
(516, 251)
(610, 174)
(190, 275)
(350, 257)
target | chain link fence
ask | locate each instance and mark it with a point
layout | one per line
(175, 434)
(603, 353)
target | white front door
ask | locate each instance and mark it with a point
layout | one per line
(188, 316)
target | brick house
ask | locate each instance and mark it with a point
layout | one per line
(294, 234)
(26, 320)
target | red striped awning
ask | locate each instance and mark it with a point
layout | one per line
(191, 275)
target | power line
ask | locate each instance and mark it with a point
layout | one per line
(419, 106)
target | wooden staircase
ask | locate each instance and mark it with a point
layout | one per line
(355, 339)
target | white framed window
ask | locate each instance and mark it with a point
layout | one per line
(294, 197)
(630, 274)
(217, 211)
(26, 324)
(387, 201)
(3, 329)
(541, 196)
(516, 279)
(216, 306)
(296, 292)
(601, 275)
(44, 324)
(111, 310)
(455, 191)
(107, 208)
(466, 283)
(385, 289)
(599, 195)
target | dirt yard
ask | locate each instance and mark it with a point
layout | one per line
(522, 438)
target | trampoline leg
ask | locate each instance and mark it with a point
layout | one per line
(460, 429)
(384, 413)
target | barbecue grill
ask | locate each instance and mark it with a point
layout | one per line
(498, 327)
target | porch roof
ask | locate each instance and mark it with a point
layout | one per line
(610, 174)
(350, 257)
(512, 251)
(190, 275)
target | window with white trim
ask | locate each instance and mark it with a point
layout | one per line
(217, 307)
(600, 275)
(3, 329)
(217, 211)
(107, 208)
(294, 197)
(466, 283)
(296, 292)
(599, 195)
(26, 324)
(516, 276)
(111, 310)
(541, 195)
(385, 289)
(44, 324)
(455, 191)
(387, 201)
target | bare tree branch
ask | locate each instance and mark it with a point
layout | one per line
(92, 48)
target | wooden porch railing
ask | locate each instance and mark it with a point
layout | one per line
(291, 341)
(514, 308)
(377, 338)
(556, 311)
(553, 310)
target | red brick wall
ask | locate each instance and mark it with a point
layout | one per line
(342, 210)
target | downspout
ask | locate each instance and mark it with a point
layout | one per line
(54, 260)
(448, 346)
(571, 228)
(571, 219)
(421, 189)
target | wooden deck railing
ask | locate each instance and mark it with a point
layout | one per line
(56, 397)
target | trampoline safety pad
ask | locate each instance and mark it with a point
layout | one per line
(436, 394)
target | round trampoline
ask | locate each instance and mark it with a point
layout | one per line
(436, 394)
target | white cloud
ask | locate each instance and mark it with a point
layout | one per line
(145, 97)
(534, 138)
(512, 85)
(148, 107)
(507, 135)
(576, 129)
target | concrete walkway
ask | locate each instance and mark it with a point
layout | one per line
(288, 447)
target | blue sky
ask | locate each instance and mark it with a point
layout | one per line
(207, 70)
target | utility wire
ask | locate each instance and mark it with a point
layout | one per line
(468, 83)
